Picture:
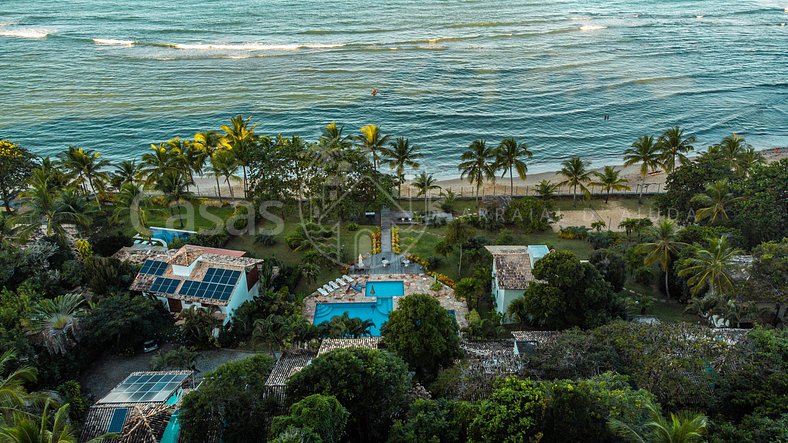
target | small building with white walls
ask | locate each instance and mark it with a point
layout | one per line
(511, 273)
(218, 280)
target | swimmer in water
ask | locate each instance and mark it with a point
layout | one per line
(374, 92)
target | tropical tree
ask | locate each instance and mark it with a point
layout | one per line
(55, 320)
(174, 186)
(645, 152)
(16, 164)
(373, 142)
(477, 165)
(610, 180)
(126, 172)
(132, 203)
(209, 142)
(684, 427)
(12, 386)
(401, 153)
(546, 189)
(86, 165)
(239, 137)
(577, 175)
(28, 429)
(714, 201)
(710, 267)
(459, 232)
(662, 248)
(672, 146)
(159, 162)
(194, 159)
(748, 160)
(509, 157)
(44, 205)
(224, 164)
(425, 183)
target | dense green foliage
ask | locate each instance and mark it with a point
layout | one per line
(423, 334)
(435, 421)
(321, 414)
(374, 386)
(230, 403)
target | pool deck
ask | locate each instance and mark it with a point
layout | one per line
(414, 284)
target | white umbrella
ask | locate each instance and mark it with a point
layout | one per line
(360, 260)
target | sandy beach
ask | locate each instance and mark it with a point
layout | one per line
(654, 182)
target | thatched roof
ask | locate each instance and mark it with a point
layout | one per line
(330, 344)
(288, 364)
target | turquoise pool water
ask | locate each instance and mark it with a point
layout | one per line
(168, 235)
(378, 312)
(385, 289)
(536, 252)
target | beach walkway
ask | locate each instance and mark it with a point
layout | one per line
(385, 230)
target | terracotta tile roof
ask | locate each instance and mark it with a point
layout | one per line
(482, 349)
(512, 266)
(330, 344)
(288, 364)
(145, 422)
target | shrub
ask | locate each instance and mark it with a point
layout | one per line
(505, 237)
(209, 239)
(265, 239)
(321, 414)
(573, 232)
(600, 240)
(352, 227)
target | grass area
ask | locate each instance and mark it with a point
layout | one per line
(667, 311)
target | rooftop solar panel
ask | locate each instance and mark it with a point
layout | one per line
(222, 276)
(164, 285)
(118, 419)
(153, 267)
(145, 388)
(202, 289)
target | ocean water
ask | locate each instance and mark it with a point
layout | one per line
(117, 76)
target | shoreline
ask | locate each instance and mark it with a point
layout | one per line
(654, 182)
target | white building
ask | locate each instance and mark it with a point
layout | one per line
(219, 280)
(511, 273)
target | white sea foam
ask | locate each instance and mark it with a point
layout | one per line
(252, 46)
(581, 17)
(26, 32)
(592, 27)
(699, 17)
(111, 42)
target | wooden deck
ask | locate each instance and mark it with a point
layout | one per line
(374, 265)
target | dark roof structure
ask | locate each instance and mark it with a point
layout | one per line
(288, 364)
(139, 408)
(512, 266)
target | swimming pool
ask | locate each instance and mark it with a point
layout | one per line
(377, 311)
(385, 289)
(168, 235)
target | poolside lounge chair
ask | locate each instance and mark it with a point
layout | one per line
(348, 278)
(322, 291)
(340, 282)
(333, 285)
(328, 288)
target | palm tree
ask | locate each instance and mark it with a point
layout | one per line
(509, 158)
(731, 148)
(12, 387)
(224, 164)
(371, 140)
(459, 232)
(239, 136)
(662, 248)
(186, 158)
(56, 321)
(156, 164)
(174, 185)
(645, 152)
(425, 183)
(610, 180)
(400, 154)
(86, 165)
(710, 267)
(546, 189)
(478, 164)
(684, 427)
(714, 201)
(209, 142)
(673, 145)
(577, 175)
(748, 159)
(8, 230)
(309, 271)
(132, 203)
(126, 172)
(43, 205)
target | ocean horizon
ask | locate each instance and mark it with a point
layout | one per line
(118, 76)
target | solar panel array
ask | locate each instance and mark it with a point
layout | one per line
(145, 388)
(118, 419)
(153, 267)
(221, 276)
(204, 289)
(164, 285)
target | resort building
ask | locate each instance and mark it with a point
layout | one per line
(219, 280)
(141, 409)
(511, 273)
